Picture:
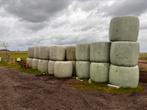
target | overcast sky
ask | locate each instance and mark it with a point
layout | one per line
(25, 23)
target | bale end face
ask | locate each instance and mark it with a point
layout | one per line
(124, 76)
(82, 69)
(100, 52)
(63, 69)
(124, 53)
(43, 66)
(57, 53)
(82, 52)
(124, 29)
(99, 72)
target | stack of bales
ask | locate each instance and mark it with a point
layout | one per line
(30, 56)
(99, 57)
(124, 51)
(57, 65)
(43, 58)
(71, 56)
(82, 61)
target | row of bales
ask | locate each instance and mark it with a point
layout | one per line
(114, 62)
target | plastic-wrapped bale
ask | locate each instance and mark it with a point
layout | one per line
(57, 53)
(99, 72)
(70, 53)
(43, 66)
(124, 29)
(29, 62)
(31, 52)
(100, 52)
(34, 63)
(124, 76)
(51, 67)
(44, 53)
(63, 69)
(124, 53)
(82, 69)
(36, 52)
(82, 52)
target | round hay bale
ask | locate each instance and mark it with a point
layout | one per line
(57, 53)
(124, 76)
(124, 53)
(44, 53)
(36, 52)
(51, 67)
(82, 52)
(100, 52)
(43, 66)
(29, 62)
(124, 29)
(99, 72)
(31, 52)
(63, 69)
(82, 69)
(34, 63)
(70, 53)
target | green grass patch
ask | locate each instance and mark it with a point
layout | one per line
(21, 69)
(85, 86)
(143, 56)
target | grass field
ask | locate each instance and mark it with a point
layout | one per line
(143, 56)
(13, 64)
(15, 54)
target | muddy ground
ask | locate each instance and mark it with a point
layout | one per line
(27, 92)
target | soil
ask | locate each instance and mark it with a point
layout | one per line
(27, 92)
(143, 70)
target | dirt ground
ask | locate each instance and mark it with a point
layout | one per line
(27, 92)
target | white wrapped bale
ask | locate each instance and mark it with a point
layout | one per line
(51, 67)
(63, 69)
(34, 63)
(30, 52)
(70, 53)
(124, 76)
(82, 69)
(82, 52)
(99, 72)
(124, 29)
(57, 53)
(124, 53)
(36, 52)
(29, 61)
(100, 52)
(43, 66)
(44, 53)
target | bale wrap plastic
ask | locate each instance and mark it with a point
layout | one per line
(82, 69)
(63, 69)
(124, 29)
(99, 72)
(124, 76)
(124, 53)
(100, 52)
(82, 52)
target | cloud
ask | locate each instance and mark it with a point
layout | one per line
(35, 10)
(26, 23)
(126, 7)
